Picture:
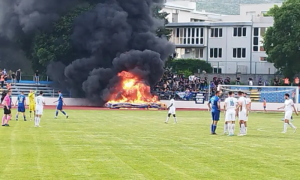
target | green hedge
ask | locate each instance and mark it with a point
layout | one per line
(189, 65)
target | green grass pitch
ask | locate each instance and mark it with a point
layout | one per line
(138, 145)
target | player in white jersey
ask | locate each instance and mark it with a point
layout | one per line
(230, 110)
(242, 113)
(288, 108)
(172, 110)
(39, 107)
(248, 105)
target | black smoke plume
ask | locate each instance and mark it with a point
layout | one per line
(118, 34)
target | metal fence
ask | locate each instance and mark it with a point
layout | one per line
(242, 67)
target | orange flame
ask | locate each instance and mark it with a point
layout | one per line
(132, 90)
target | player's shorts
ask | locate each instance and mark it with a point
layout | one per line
(32, 107)
(265, 107)
(288, 115)
(243, 115)
(59, 107)
(171, 111)
(39, 111)
(230, 116)
(215, 116)
(21, 109)
(7, 111)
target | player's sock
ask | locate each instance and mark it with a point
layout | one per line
(214, 128)
(64, 113)
(242, 129)
(56, 113)
(175, 120)
(292, 126)
(167, 119)
(3, 119)
(285, 127)
(24, 117)
(232, 128)
(225, 128)
(38, 121)
(16, 116)
(228, 128)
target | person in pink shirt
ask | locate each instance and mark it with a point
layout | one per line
(7, 112)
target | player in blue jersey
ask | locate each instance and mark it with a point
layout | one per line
(60, 104)
(214, 107)
(21, 100)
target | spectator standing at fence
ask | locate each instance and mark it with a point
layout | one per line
(18, 77)
(260, 81)
(276, 81)
(5, 75)
(2, 80)
(250, 82)
(201, 84)
(13, 77)
(205, 82)
(238, 80)
(37, 77)
(227, 80)
(296, 81)
(286, 81)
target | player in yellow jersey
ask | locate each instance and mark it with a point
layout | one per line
(31, 98)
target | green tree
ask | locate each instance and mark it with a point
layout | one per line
(282, 40)
(162, 31)
(56, 46)
(189, 65)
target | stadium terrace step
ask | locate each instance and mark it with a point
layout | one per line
(26, 87)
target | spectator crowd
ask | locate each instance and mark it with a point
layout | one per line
(184, 87)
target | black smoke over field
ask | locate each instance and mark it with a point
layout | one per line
(117, 34)
(120, 35)
(19, 19)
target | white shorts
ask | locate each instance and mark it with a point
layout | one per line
(288, 115)
(243, 115)
(38, 111)
(230, 116)
(171, 111)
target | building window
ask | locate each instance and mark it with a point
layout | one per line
(255, 43)
(239, 53)
(188, 36)
(264, 59)
(215, 53)
(216, 32)
(239, 31)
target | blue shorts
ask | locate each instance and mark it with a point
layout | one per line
(215, 116)
(59, 107)
(21, 109)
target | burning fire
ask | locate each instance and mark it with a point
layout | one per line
(132, 90)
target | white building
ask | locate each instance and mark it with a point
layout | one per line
(230, 43)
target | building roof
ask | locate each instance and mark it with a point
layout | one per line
(209, 24)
